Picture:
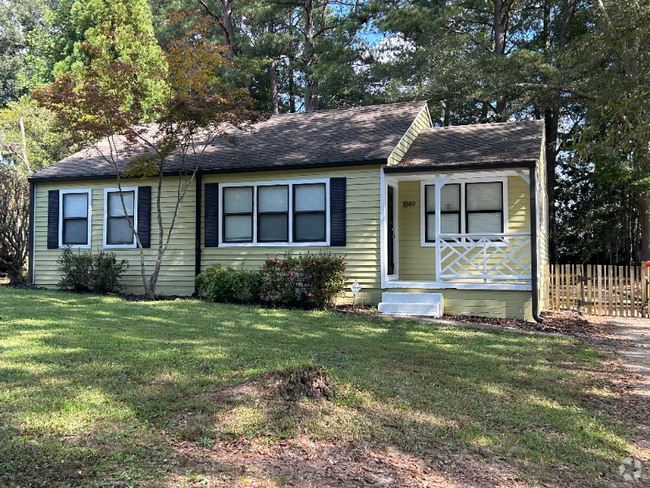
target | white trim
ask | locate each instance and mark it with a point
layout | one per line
(290, 184)
(525, 176)
(439, 181)
(383, 229)
(395, 275)
(89, 215)
(134, 244)
(446, 285)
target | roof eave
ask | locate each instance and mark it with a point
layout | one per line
(519, 163)
(255, 169)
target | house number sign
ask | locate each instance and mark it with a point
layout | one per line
(408, 204)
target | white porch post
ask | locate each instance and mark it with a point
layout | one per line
(383, 231)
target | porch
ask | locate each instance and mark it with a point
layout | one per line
(462, 230)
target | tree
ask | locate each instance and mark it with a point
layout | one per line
(104, 105)
(14, 227)
(84, 32)
(18, 18)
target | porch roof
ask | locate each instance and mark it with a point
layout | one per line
(497, 144)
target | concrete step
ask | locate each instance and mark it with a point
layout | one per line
(405, 297)
(428, 309)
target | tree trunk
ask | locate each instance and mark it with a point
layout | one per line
(311, 102)
(226, 25)
(501, 17)
(643, 205)
(273, 81)
(15, 273)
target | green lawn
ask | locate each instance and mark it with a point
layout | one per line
(92, 388)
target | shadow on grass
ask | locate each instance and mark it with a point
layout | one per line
(92, 385)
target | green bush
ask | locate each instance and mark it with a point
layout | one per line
(87, 272)
(227, 285)
(308, 280)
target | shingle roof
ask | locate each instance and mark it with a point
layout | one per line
(476, 144)
(360, 134)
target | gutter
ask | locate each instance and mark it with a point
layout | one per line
(30, 236)
(533, 244)
(256, 169)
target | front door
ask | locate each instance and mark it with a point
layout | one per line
(391, 232)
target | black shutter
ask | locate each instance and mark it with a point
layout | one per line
(337, 211)
(211, 214)
(53, 219)
(144, 215)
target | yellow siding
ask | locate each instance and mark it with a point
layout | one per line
(483, 303)
(421, 122)
(417, 263)
(362, 212)
(177, 271)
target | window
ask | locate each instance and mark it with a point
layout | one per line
(273, 213)
(75, 218)
(309, 213)
(117, 231)
(238, 214)
(484, 207)
(469, 208)
(449, 210)
(278, 212)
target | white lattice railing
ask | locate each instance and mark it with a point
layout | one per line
(484, 257)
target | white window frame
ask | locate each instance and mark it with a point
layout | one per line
(89, 210)
(462, 180)
(290, 184)
(134, 244)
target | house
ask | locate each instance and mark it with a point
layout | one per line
(454, 215)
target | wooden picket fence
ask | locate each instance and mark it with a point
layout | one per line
(598, 290)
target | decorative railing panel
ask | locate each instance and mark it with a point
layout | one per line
(483, 257)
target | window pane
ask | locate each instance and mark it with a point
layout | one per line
(309, 198)
(119, 232)
(484, 196)
(75, 232)
(310, 227)
(449, 223)
(75, 205)
(273, 228)
(449, 197)
(238, 228)
(273, 199)
(115, 205)
(484, 223)
(238, 200)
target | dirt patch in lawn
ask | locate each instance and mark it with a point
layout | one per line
(304, 462)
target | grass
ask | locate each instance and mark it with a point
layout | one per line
(93, 388)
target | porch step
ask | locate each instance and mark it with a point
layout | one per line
(396, 303)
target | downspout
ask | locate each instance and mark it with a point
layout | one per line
(30, 237)
(533, 243)
(197, 225)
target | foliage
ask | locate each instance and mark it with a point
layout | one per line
(41, 146)
(133, 379)
(309, 280)
(102, 102)
(228, 285)
(14, 224)
(18, 19)
(86, 272)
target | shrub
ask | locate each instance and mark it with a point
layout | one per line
(280, 281)
(87, 272)
(309, 280)
(227, 285)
